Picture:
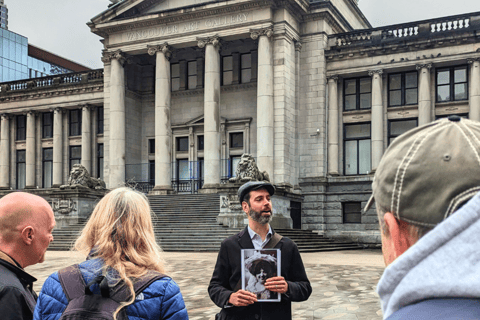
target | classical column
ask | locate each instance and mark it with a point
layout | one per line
(424, 97)
(265, 119)
(57, 148)
(212, 110)
(377, 117)
(5, 152)
(30, 154)
(474, 99)
(117, 118)
(87, 139)
(332, 126)
(163, 128)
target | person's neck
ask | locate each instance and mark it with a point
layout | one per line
(10, 252)
(260, 229)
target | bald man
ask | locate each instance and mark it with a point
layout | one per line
(26, 225)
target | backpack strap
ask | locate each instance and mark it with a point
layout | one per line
(72, 282)
(274, 240)
(121, 292)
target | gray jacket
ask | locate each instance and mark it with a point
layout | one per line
(443, 264)
(17, 298)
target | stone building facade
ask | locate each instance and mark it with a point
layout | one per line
(308, 88)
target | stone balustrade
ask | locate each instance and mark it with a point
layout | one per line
(398, 32)
(52, 81)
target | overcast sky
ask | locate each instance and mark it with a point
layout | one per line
(60, 26)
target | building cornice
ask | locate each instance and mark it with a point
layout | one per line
(49, 92)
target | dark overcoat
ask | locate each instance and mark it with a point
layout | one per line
(228, 272)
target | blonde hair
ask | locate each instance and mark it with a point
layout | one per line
(120, 231)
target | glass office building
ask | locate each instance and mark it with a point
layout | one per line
(3, 15)
(16, 64)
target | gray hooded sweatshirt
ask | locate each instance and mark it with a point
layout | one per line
(445, 263)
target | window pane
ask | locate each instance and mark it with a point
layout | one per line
(47, 174)
(183, 173)
(201, 145)
(151, 145)
(192, 68)
(351, 207)
(192, 82)
(236, 140)
(21, 156)
(461, 91)
(365, 101)
(175, 84)
(364, 156)
(246, 61)
(365, 85)
(395, 98)
(350, 86)
(443, 77)
(460, 75)
(352, 217)
(182, 144)
(21, 176)
(395, 81)
(350, 157)
(411, 80)
(399, 127)
(411, 96)
(175, 70)
(350, 102)
(443, 93)
(227, 63)
(76, 152)
(234, 163)
(357, 131)
(47, 154)
(227, 77)
(246, 75)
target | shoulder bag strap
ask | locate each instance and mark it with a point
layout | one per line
(72, 282)
(122, 293)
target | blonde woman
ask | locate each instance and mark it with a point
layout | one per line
(119, 243)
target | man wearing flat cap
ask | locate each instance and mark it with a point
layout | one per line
(426, 195)
(225, 285)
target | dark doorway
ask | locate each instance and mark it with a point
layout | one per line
(296, 214)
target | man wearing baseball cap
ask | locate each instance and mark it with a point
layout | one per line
(426, 194)
(225, 285)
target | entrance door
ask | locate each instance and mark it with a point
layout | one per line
(296, 214)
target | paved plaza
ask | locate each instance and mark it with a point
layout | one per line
(343, 282)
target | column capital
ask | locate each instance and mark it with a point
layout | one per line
(5, 116)
(213, 40)
(117, 55)
(424, 65)
(298, 46)
(472, 60)
(87, 107)
(256, 33)
(333, 77)
(371, 73)
(57, 110)
(31, 113)
(164, 48)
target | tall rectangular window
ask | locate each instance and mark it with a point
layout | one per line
(175, 75)
(246, 68)
(75, 122)
(398, 127)
(352, 212)
(357, 149)
(47, 167)
(182, 144)
(227, 70)
(183, 172)
(201, 143)
(21, 169)
(452, 84)
(233, 165)
(192, 75)
(21, 127)
(236, 140)
(75, 155)
(357, 93)
(151, 146)
(100, 161)
(151, 172)
(100, 120)
(47, 125)
(402, 89)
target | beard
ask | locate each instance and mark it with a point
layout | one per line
(259, 217)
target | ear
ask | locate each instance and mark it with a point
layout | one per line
(400, 236)
(28, 234)
(245, 207)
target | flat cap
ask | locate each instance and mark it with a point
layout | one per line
(254, 185)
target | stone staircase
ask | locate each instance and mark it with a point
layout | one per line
(187, 222)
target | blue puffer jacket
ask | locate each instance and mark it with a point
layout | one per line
(161, 300)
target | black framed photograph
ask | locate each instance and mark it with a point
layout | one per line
(257, 267)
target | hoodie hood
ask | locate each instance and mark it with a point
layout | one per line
(444, 263)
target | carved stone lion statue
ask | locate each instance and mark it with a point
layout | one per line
(79, 177)
(247, 170)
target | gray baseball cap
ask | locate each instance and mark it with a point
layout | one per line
(429, 172)
(254, 185)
